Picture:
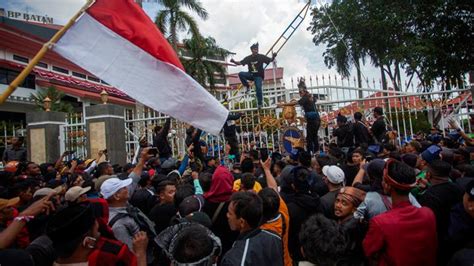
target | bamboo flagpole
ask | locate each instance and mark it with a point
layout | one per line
(21, 77)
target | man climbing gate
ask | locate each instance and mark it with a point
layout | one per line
(256, 71)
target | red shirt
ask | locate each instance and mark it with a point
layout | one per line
(405, 235)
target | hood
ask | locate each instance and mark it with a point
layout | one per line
(221, 185)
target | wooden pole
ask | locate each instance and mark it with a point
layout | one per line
(26, 71)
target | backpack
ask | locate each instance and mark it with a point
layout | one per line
(142, 221)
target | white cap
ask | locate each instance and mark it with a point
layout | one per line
(334, 174)
(75, 192)
(112, 185)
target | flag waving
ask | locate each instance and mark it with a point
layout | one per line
(116, 41)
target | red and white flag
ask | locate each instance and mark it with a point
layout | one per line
(116, 41)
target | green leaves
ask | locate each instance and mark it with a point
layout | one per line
(429, 39)
(55, 96)
(173, 18)
(203, 65)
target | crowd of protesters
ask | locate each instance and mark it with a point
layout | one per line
(364, 200)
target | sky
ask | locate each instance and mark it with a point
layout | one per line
(235, 24)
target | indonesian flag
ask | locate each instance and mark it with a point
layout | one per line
(116, 41)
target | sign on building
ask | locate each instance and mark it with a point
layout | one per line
(26, 16)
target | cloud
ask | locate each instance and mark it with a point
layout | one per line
(235, 24)
(60, 10)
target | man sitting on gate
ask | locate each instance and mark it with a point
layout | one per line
(256, 71)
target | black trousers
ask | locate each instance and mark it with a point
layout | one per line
(312, 138)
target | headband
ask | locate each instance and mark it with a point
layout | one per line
(390, 181)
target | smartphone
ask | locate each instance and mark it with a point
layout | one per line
(263, 154)
(153, 151)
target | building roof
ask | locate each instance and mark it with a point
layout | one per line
(26, 38)
(40, 31)
(234, 78)
(71, 85)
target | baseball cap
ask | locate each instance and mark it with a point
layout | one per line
(431, 153)
(190, 204)
(112, 185)
(75, 192)
(43, 192)
(4, 203)
(334, 174)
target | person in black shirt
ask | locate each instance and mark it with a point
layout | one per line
(160, 140)
(313, 121)
(230, 135)
(361, 132)
(256, 71)
(379, 128)
(344, 133)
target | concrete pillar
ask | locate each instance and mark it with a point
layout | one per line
(43, 135)
(106, 130)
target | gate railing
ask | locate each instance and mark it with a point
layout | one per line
(405, 110)
(73, 136)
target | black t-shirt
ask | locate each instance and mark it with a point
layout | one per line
(327, 204)
(255, 64)
(440, 199)
(350, 172)
(379, 128)
(162, 215)
(345, 136)
(361, 134)
(307, 104)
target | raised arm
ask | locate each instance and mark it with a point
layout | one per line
(8, 236)
(463, 134)
(271, 182)
(137, 171)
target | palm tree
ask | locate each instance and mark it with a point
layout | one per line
(173, 18)
(55, 96)
(200, 65)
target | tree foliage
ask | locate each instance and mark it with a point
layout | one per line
(55, 96)
(200, 65)
(173, 18)
(430, 40)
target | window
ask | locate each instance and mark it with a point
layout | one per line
(79, 75)
(42, 64)
(91, 78)
(7, 76)
(103, 82)
(60, 70)
(20, 59)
